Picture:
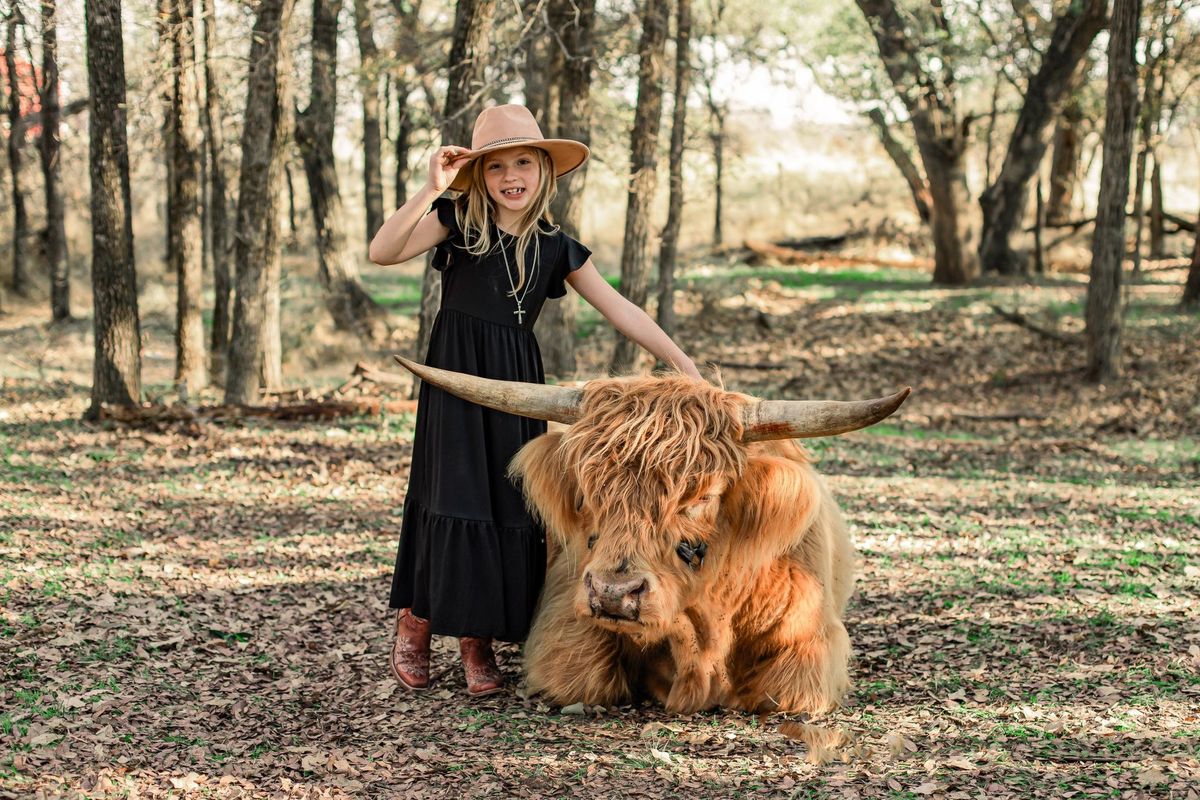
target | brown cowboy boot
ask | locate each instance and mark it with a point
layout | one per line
(410, 651)
(479, 663)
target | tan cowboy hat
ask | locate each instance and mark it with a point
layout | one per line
(512, 125)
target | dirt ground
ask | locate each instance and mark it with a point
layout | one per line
(202, 612)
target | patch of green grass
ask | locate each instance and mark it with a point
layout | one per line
(475, 720)
(880, 689)
(176, 739)
(1167, 515)
(1133, 589)
(1163, 454)
(258, 750)
(798, 277)
(114, 539)
(888, 429)
(400, 292)
(1024, 732)
(109, 650)
(1068, 308)
(31, 473)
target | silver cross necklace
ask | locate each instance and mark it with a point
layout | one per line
(520, 312)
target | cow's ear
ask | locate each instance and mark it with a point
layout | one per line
(770, 506)
(550, 489)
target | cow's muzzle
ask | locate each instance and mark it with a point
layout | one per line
(619, 599)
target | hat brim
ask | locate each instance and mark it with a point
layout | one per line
(567, 155)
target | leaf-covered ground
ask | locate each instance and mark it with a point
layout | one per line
(203, 614)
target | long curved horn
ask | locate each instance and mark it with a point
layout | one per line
(806, 419)
(534, 400)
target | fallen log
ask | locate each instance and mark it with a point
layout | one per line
(364, 373)
(767, 251)
(1075, 224)
(1015, 416)
(159, 415)
(1017, 318)
(820, 242)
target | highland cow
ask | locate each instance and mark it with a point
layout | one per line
(696, 556)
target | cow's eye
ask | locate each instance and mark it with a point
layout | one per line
(692, 554)
(592, 541)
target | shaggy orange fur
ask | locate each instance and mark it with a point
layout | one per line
(653, 462)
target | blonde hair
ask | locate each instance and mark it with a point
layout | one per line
(475, 219)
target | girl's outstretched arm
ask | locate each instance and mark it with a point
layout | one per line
(628, 318)
(410, 231)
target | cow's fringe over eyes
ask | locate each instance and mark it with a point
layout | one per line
(640, 440)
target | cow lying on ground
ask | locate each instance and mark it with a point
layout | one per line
(697, 557)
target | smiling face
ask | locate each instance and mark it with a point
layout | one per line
(512, 178)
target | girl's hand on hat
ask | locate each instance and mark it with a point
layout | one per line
(442, 169)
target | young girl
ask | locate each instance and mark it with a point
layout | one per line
(471, 560)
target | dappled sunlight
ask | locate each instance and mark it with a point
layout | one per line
(207, 607)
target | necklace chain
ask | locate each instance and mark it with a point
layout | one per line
(520, 312)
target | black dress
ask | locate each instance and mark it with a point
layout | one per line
(471, 559)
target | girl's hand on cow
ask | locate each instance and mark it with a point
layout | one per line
(442, 171)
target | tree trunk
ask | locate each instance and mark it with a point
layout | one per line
(117, 369)
(1147, 114)
(407, 49)
(953, 229)
(993, 112)
(900, 156)
(542, 67)
(718, 145)
(56, 234)
(163, 56)
(264, 141)
(1039, 222)
(20, 230)
(1157, 231)
(643, 158)
(574, 25)
(1191, 289)
(1004, 201)
(404, 130)
(219, 215)
(670, 235)
(930, 97)
(293, 229)
(1142, 146)
(184, 226)
(1103, 319)
(575, 102)
(466, 64)
(348, 303)
(1065, 161)
(372, 148)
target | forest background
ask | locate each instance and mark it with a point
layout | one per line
(204, 444)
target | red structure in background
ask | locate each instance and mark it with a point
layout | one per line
(29, 78)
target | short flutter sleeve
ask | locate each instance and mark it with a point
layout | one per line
(445, 254)
(571, 256)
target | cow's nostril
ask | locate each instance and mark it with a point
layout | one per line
(615, 599)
